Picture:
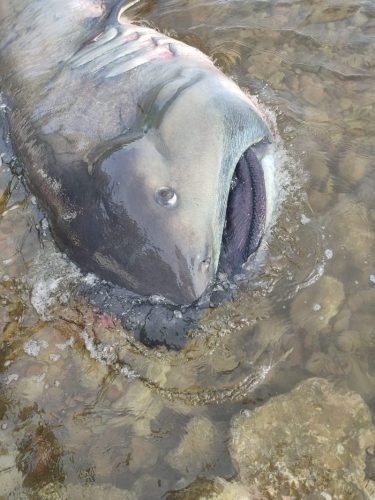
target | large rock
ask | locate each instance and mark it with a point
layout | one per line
(310, 441)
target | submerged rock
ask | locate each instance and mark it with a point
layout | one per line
(144, 454)
(353, 167)
(348, 223)
(310, 441)
(198, 450)
(217, 489)
(315, 306)
(313, 91)
(137, 407)
(96, 492)
(10, 477)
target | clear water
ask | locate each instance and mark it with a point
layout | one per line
(82, 403)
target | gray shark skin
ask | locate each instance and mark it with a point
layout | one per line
(142, 153)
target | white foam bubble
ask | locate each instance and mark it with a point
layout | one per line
(101, 352)
(68, 343)
(305, 219)
(33, 347)
(13, 377)
(54, 357)
(53, 277)
(328, 253)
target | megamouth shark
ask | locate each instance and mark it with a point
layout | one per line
(147, 159)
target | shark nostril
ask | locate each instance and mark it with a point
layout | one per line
(205, 265)
(166, 197)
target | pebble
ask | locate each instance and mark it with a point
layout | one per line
(319, 201)
(349, 341)
(353, 167)
(312, 90)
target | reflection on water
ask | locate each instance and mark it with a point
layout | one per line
(86, 410)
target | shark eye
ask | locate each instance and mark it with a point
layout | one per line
(166, 197)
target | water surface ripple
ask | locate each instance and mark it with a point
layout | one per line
(85, 409)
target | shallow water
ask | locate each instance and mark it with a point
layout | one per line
(84, 407)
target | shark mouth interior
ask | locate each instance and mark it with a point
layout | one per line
(246, 211)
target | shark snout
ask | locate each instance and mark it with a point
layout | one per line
(197, 271)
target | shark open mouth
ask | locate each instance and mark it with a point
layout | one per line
(246, 211)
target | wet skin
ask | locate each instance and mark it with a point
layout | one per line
(145, 156)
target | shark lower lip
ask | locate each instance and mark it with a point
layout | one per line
(246, 213)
